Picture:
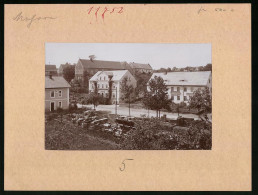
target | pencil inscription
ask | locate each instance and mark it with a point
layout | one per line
(29, 20)
(215, 10)
(123, 163)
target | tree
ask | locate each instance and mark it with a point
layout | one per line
(208, 67)
(93, 97)
(126, 91)
(201, 100)
(110, 84)
(69, 73)
(157, 97)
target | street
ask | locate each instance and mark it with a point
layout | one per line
(137, 112)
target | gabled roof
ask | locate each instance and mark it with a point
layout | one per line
(185, 78)
(140, 66)
(117, 74)
(50, 67)
(55, 82)
(103, 64)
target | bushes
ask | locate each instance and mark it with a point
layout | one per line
(154, 135)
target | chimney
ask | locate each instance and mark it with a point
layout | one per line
(50, 75)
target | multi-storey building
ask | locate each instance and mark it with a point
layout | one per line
(56, 93)
(181, 85)
(102, 80)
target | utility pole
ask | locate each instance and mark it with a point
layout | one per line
(116, 102)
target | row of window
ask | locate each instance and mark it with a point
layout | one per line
(103, 86)
(106, 95)
(52, 94)
(178, 98)
(178, 89)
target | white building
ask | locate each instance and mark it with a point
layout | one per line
(103, 77)
(181, 85)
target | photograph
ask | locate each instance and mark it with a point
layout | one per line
(128, 96)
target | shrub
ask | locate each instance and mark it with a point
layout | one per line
(155, 135)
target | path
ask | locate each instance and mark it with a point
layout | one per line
(138, 112)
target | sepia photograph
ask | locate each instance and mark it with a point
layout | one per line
(128, 96)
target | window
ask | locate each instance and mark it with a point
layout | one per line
(52, 94)
(185, 89)
(98, 85)
(106, 85)
(172, 88)
(178, 88)
(209, 81)
(102, 86)
(104, 78)
(178, 97)
(99, 78)
(60, 104)
(60, 93)
(114, 95)
(191, 89)
(185, 98)
(172, 97)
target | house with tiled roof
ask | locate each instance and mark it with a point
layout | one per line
(85, 69)
(101, 81)
(50, 70)
(141, 68)
(56, 93)
(181, 85)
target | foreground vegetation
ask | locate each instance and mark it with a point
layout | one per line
(67, 130)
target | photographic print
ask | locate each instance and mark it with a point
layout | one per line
(128, 96)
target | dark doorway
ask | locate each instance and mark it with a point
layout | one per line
(52, 106)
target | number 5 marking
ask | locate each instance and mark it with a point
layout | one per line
(123, 163)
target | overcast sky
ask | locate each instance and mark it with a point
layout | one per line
(157, 55)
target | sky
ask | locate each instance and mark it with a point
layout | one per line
(157, 55)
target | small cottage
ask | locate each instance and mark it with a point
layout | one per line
(56, 93)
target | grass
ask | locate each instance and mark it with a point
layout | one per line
(69, 136)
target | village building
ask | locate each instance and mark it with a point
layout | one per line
(181, 85)
(56, 93)
(141, 68)
(50, 70)
(102, 79)
(85, 69)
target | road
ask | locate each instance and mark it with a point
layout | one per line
(137, 112)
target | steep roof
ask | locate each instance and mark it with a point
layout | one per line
(140, 66)
(55, 82)
(185, 78)
(117, 74)
(50, 67)
(102, 64)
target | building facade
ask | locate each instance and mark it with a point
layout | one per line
(181, 85)
(56, 93)
(85, 69)
(103, 79)
(141, 68)
(50, 70)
